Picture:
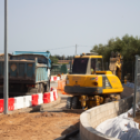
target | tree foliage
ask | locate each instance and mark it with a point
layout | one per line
(54, 59)
(128, 47)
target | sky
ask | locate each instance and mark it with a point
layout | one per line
(58, 25)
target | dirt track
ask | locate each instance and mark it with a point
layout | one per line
(37, 126)
(40, 126)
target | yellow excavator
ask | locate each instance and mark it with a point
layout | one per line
(90, 84)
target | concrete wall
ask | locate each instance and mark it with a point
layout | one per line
(91, 118)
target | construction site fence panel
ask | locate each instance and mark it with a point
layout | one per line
(137, 85)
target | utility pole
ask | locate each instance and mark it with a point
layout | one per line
(76, 49)
(6, 88)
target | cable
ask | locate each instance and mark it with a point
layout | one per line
(56, 48)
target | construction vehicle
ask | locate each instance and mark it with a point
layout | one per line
(29, 73)
(90, 84)
(115, 64)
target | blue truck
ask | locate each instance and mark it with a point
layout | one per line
(29, 73)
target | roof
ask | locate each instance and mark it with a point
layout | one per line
(64, 61)
(46, 54)
(89, 56)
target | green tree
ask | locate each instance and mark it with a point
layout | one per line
(128, 46)
(54, 59)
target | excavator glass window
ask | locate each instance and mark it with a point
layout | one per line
(96, 65)
(80, 65)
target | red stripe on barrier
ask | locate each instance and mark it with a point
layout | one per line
(54, 78)
(46, 98)
(1, 105)
(34, 102)
(11, 104)
(54, 95)
(35, 99)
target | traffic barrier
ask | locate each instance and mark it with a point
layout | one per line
(1, 105)
(18, 103)
(55, 94)
(35, 98)
(51, 96)
(11, 104)
(51, 89)
(54, 78)
(27, 101)
(46, 98)
(40, 98)
(61, 85)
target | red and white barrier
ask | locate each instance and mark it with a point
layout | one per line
(50, 96)
(1, 105)
(40, 98)
(11, 104)
(54, 78)
(29, 100)
(18, 103)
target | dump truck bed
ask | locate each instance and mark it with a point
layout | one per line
(24, 71)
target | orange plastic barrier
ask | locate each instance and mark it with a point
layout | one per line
(61, 86)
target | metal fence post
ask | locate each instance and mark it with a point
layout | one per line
(135, 86)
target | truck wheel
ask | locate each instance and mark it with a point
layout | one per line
(74, 103)
(69, 103)
(48, 86)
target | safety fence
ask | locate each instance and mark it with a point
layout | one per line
(29, 100)
(127, 70)
(93, 117)
(137, 84)
(129, 84)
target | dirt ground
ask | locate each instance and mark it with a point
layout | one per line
(41, 126)
(37, 126)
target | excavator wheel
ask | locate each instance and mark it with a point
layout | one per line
(69, 102)
(115, 97)
(107, 100)
(118, 97)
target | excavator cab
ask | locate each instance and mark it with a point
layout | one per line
(87, 64)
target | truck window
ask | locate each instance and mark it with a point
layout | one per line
(80, 65)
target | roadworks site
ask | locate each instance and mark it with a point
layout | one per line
(50, 125)
(37, 126)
